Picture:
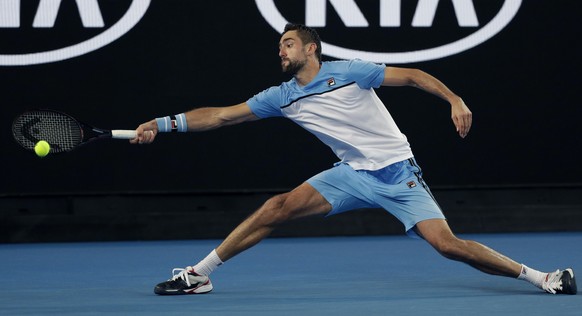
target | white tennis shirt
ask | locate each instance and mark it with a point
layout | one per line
(339, 106)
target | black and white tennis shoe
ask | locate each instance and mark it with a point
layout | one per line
(560, 282)
(184, 281)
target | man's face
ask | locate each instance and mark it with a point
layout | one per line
(292, 53)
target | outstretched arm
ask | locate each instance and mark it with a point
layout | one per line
(201, 119)
(460, 113)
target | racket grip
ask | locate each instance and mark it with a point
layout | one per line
(123, 134)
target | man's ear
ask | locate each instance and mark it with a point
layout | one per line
(312, 48)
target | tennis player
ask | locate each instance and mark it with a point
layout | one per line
(336, 102)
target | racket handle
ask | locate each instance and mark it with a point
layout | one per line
(123, 134)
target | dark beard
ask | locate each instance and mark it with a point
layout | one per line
(293, 67)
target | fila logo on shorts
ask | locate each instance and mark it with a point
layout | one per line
(389, 21)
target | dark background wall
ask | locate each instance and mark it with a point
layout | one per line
(522, 86)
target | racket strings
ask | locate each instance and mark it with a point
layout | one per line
(59, 130)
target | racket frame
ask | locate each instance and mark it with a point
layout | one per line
(88, 133)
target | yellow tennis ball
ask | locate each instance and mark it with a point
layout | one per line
(42, 148)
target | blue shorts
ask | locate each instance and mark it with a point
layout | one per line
(398, 188)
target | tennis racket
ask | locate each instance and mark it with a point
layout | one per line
(63, 132)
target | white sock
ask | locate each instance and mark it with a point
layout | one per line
(208, 264)
(534, 277)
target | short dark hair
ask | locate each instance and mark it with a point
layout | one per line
(307, 35)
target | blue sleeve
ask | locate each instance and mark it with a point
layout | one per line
(366, 74)
(266, 103)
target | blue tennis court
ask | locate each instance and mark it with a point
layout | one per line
(384, 275)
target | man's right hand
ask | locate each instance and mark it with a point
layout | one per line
(145, 133)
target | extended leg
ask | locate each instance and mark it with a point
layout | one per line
(438, 234)
(302, 201)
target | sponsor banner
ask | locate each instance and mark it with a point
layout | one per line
(45, 17)
(389, 19)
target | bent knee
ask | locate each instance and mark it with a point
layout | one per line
(275, 209)
(301, 202)
(451, 248)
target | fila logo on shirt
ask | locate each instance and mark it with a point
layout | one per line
(62, 29)
(394, 31)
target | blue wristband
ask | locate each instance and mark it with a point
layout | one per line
(181, 124)
(175, 123)
(164, 124)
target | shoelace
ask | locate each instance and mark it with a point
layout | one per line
(553, 282)
(182, 274)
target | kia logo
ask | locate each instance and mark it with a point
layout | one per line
(47, 14)
(389, 18)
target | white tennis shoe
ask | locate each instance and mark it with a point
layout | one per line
(560, 282)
